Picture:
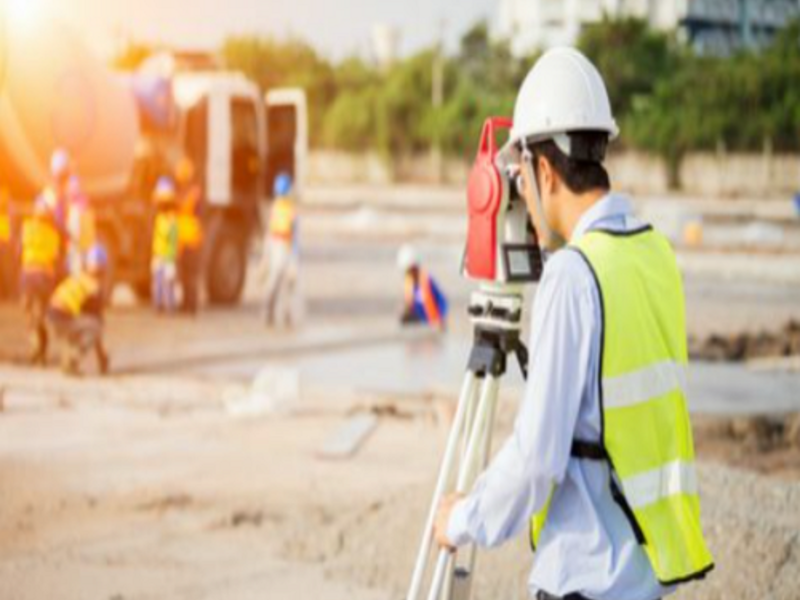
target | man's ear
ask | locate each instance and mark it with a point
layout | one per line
(547, 176)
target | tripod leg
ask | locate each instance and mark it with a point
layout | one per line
(447, 589)
(474, 448)
(467, 397)
(466, 572)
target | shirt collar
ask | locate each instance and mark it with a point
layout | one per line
(609, 206)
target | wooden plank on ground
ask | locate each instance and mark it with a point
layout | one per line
(346, 440)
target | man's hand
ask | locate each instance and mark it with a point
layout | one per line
(443, 518)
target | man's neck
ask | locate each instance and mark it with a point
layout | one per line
(577, 206)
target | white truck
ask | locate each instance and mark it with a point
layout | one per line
(125, 132)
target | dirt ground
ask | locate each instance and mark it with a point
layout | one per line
(143, 486)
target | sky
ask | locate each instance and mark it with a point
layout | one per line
(338, 28)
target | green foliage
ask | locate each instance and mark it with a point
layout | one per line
(666, 99)
(631, 57)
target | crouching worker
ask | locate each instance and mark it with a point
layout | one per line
(76, 314)
(40, 255)
(424, 302)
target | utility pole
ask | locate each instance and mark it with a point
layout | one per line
(437, 101)
(745, 24)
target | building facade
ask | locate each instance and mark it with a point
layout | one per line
(710, 26)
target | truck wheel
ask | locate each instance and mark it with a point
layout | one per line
(226, 268)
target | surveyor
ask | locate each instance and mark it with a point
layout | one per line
(423, 299)
(76, 314)
(40, 255)
(164, 267)
(600, 465)
(190, 234)
(282, 253)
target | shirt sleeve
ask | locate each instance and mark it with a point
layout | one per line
(520, 478)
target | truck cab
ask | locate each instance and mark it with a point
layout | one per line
(238, 141)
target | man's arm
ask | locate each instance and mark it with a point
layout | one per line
(520, 478)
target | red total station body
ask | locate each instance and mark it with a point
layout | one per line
(484, 201)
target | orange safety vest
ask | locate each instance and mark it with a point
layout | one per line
(190, 231)
(281, 221)
(426, 296)
(73, 293)
(41, 245)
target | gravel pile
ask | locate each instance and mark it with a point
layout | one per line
(752, 523)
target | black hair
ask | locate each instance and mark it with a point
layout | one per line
(583, 171)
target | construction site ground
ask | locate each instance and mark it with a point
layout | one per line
(147, 485)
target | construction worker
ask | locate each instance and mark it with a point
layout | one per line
(40, 258)
(190, 235)
(600, 466)
(282, 252)
(80, 225)
(164, 266)
(76, 314)
(6, 247)
(423, 300)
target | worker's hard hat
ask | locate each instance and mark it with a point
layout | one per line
(283, 184)
(184, 171)
(60, 163)
(407, 257)
(96, 259)
(165, 191)
(562, 93)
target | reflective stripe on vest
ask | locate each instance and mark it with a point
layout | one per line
(646, 431)
(72, 294)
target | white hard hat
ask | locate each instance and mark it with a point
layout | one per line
(407, 257)
(562, 93)
(59, 163)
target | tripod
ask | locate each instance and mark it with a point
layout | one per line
(496, 314)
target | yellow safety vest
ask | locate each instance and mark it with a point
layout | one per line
(73, 293)
(165, 236)
(5, 229)
(281, 219)
(646, 434)
(41, 244)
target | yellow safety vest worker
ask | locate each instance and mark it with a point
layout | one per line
(73, 293)
(646, 434)
(281, 221)
(41, 244)
(165, 236)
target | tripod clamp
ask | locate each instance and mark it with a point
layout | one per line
(497, 317)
